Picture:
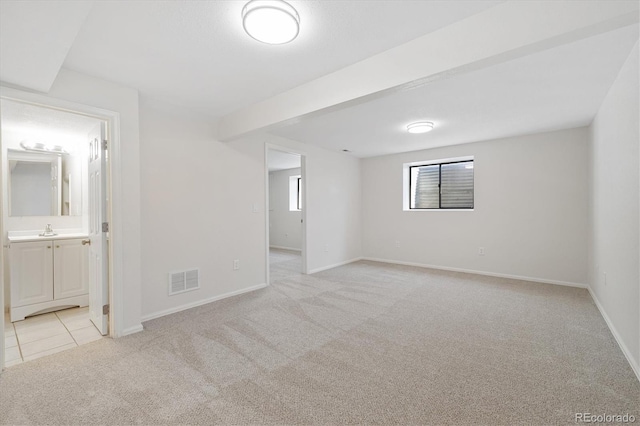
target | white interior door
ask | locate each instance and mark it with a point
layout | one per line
(98, 237)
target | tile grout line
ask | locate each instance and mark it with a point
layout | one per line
(91, 325)
(68, 331)
(15, 333)
(58, 318)
(19, 345)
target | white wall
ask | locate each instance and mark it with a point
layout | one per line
(333, 204)
(197, 208)
(529, 215)
(285, 228)
(614, 212)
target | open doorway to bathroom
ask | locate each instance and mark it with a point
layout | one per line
(285, 214)
(55, 257)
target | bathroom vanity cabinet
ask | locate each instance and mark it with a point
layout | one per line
(47, 274)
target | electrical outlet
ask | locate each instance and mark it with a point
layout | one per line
(286, 235)
(236, 264)
(480, 251)
(397, 244)
(326, 248)
(255, 208)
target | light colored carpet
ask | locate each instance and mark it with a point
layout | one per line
(366, 343)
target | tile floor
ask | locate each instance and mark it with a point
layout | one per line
(47, 334)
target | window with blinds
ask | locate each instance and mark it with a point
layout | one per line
(442, 186)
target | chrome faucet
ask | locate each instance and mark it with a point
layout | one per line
(48, 231)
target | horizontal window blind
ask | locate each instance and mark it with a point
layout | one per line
(427, 195)
(457, 185)
(442, 186)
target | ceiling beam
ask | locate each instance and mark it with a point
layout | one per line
(505, 32)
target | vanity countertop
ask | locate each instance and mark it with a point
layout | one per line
(30, 238)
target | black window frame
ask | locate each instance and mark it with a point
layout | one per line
(299, 201)
(440, 185)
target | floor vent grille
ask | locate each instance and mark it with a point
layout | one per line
(181, 281)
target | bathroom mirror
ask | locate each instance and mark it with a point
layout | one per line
(42, 184)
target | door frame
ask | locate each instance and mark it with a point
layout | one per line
(114, 195)
(305, 198)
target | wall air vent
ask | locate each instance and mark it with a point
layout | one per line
(181, 281)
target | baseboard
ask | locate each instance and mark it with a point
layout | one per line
(335, 265)
(627, 353)
(201, 302)
(471, 271)
(131, 330)
(285, 248)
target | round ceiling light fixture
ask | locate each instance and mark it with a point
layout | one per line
(271, 21)
(420, 127)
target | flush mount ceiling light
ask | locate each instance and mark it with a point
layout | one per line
(271, 21)
(420, 127)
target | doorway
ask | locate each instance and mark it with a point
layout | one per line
(285, 213)
(54, 185)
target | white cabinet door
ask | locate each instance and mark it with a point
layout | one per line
(70, 269)
(31, 269)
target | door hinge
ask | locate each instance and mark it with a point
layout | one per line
(104, 145)
(105, 309)
(105, 226)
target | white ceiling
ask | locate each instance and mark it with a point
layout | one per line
(279, 160)
(195, 54)
(555, 89)
(26, 121)
(35, 37)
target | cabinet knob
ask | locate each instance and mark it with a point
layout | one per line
(57, 246)
(85, 242)
(48, 246)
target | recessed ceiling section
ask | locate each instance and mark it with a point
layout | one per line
(196, 54)
(35, 37)
(555, 89)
